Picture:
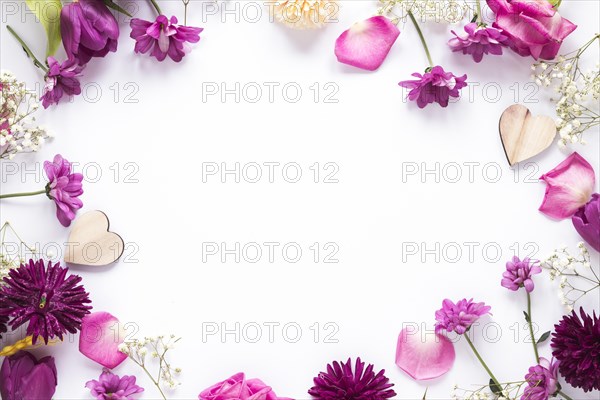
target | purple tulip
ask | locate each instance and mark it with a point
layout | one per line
(587, 222)
(88, 30)
(24, 377)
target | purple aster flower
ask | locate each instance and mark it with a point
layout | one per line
(88, 30)
(479, 40)
(436, 85)
(45, 298)
(576, 345)
(542, 381)
(460, 316)
(22, 376)
(518, 274)
(64, 188)
(111, 387)
(61, 79)
(587, 222)
(340, 382)
(164, 37)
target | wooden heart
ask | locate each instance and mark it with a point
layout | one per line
(91, 242)
(523, 135)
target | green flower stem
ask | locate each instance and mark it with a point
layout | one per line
(185, 7)
(6, 196)
(564, 395)
(530, 323)
(496, 382)
(30, 54)
(414, 21)
(478, 4)
(156, 7)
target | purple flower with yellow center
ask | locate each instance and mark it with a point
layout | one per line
(22, 376)
(479, 40)
(112, 387)
(460, 316)
(542, 381)
(342, 382)
(46, 298)
(434, 86)
(163, 37)
(88, 30)
(518, 274)
(64, 187)
(61, 79)
(576, 345)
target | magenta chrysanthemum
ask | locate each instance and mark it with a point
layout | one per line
(518, 274)
(542, 381)
(3, 324)
(112, 387)
(340, 382)
(576, 345)
(61, 79)
(165, 37)
(434, 86)
(45, 298)
(479, 40)
(64, 187)
(460, 316)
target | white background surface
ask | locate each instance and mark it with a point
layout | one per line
(370, 134)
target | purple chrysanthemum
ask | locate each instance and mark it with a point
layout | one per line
(340, 382)
(164, 37)
(542, 381)
(435, 85)
(460, 316)
(479, 40)
(576, 345)
(51, 302)
(61, 79)
(64, 187)
(518, 274)
(112, 387)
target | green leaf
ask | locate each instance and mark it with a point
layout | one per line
(544, 337)
(48, 13)
(526, 316)
(116, 7)
(496, 389)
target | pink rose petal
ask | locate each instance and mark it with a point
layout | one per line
(366, 44)
(424, 356)
(570, 186)
(101, 335)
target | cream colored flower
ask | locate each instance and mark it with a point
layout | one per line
(304, 14)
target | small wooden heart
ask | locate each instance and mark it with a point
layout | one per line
(91, 242)
(523, 135)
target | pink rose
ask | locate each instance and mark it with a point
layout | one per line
(533, 27)
(238, 388)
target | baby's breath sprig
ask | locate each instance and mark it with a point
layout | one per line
(507, 391)
(17, 106)
(448, 11)
(154, 350)
(578, 90)
(575, 274)
(10, 257)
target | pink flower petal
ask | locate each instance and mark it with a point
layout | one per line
(101, 335)
(366, 44)
(570, 186)
(424, 356)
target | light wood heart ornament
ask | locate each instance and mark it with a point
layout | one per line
(523, 135)
(91, 242)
